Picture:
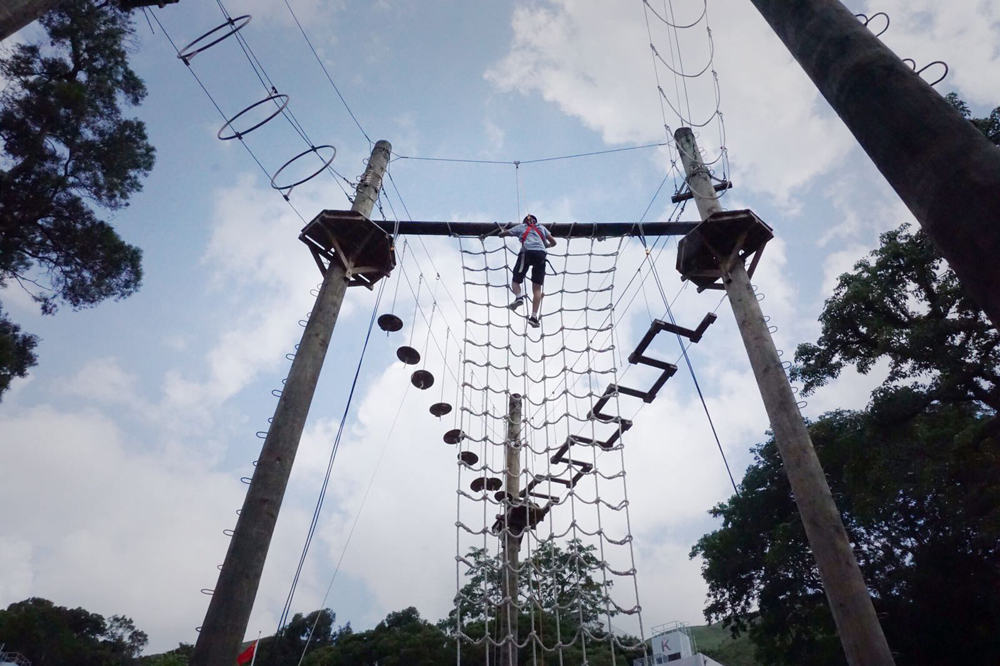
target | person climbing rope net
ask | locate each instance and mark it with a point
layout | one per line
(535, 241)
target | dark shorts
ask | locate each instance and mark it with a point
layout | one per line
(533, 259)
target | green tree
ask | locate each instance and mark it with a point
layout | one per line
(303, 633)
(905, 306)
(402, 639)
(50, 635)
(68, 150)
(921, 506)
(989, 126)
(179, 656)
(567, 577)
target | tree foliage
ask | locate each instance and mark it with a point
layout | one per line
(905, 306)
(68, 150)
(989, 126)
(571, 598)
(921, 505)
(50, 635)
(403, 638)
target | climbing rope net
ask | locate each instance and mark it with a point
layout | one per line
(544, 557)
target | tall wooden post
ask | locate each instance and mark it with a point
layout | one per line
(511, 542)
(860, 632)
(945, 171)
(232, 600)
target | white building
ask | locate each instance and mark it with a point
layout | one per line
(673, 644)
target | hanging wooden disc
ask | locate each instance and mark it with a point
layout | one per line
(422, 379)
(390, 323)
(486, 482)
(454, 436)
(440, 408)
(468, 457)
(408, 355)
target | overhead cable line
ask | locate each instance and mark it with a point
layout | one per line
(328, 77)
(532, 161)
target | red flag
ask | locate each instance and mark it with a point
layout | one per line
(247, 655)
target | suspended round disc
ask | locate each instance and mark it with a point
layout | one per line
(390, 323)
(493, 483)
(453, 436)
(422, 379)
(468, 457)
(478, 484)
(408, 355)
(502, 496)
(440, 408)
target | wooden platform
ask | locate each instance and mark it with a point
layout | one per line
(364, 249)
(706, 253)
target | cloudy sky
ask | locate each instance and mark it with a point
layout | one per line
(122, 453)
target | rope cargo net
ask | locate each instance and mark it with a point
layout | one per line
(566, 512)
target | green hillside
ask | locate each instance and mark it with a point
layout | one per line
(716, 642)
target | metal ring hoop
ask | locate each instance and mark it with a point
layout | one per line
(314, 149)
(239, 135)
(186, 57)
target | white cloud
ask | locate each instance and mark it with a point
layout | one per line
(16, 554)
(111, 525)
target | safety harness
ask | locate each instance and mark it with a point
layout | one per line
(532, 227)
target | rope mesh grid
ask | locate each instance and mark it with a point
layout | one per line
(569, 602)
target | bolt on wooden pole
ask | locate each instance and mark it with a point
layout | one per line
(942, 167)
(232, 600)
(860, 632)
(511, 543)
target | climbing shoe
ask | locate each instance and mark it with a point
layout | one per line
(533, 321)
(517, 303)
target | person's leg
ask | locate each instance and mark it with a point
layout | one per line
(536, 298)
(516, 288)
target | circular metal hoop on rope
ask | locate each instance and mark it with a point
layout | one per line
(422, 379)
(239, 135)
(490, 483)
(186, 56)
(314, 149)
(390, 323)
(440, 409)
(468, 457)
(408, 355)
(454, 436)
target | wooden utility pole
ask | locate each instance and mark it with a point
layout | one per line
(942, 167)
(511, 542)
(860, 632)
(232, 600)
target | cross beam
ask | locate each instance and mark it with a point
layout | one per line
(333, 220)
(364, 246)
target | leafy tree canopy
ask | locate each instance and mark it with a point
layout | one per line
(904, 305)
(68, 150)
(50, 635)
